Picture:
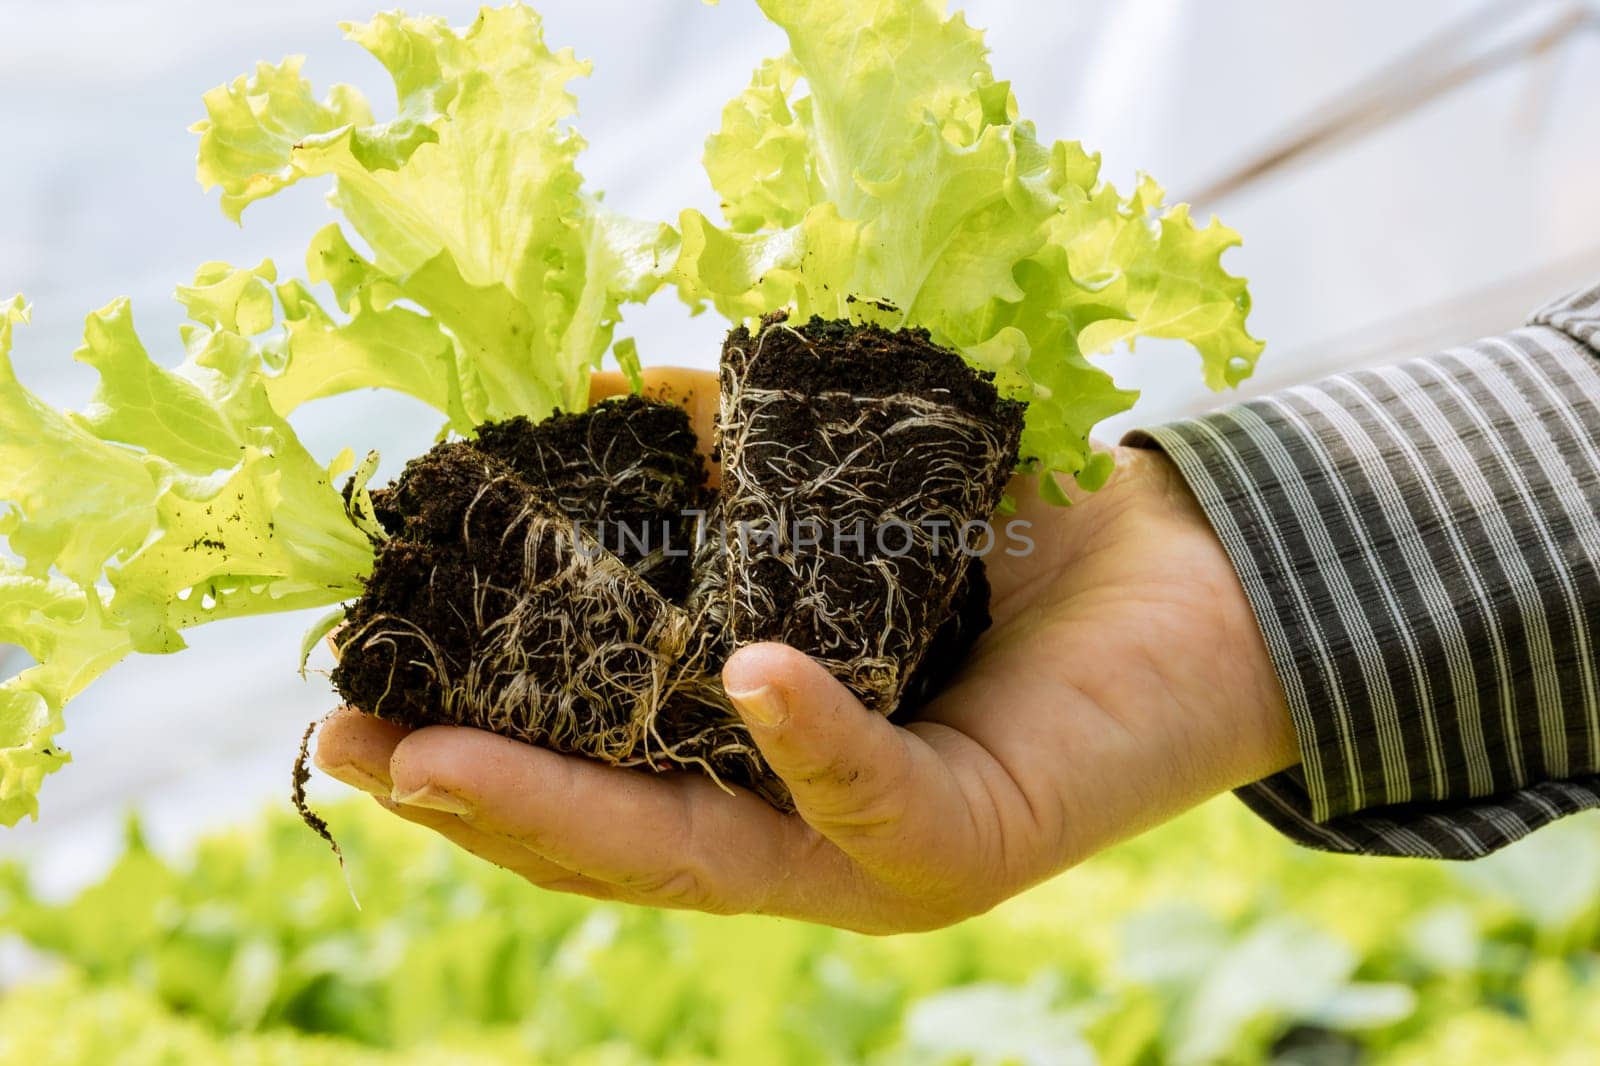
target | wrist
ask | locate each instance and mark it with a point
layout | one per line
(1249, 706)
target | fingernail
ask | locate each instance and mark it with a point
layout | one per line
(434, 799)
(764, 706)
(356, 777)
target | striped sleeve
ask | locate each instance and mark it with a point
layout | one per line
(1421, 547)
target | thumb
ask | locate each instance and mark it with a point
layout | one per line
(847, 768)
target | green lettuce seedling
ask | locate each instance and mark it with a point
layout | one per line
(492, 286)
(901, 186)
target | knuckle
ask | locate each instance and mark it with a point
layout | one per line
(681, 886)
(864, 801)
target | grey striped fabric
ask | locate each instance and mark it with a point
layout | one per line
(1421, 546)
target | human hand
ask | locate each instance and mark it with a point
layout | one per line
(1124, 680)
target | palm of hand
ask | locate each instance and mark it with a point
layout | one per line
(1123, 680)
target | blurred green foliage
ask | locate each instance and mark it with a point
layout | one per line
(1209, 940)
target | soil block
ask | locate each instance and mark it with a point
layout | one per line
(856, 462)
(488, 608)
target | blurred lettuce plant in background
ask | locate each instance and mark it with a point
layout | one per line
(1207, 940)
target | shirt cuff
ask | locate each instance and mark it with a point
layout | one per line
(1421, 547)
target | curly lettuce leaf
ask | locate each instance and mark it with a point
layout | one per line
(71, 501)
(489, 284)
(903, 178)
(376, 346)
(178, 496)
(66, 631)
(470, 203)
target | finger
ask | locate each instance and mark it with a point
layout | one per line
(507, 854)
(851, 773)
(696, 391)
(670, 840)
(355, 748)
(604, 384)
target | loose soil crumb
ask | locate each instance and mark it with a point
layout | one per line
(297, 794)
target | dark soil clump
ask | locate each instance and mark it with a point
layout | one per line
(627, 470)
(968, 620)
(489, 608)
(853, 458)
